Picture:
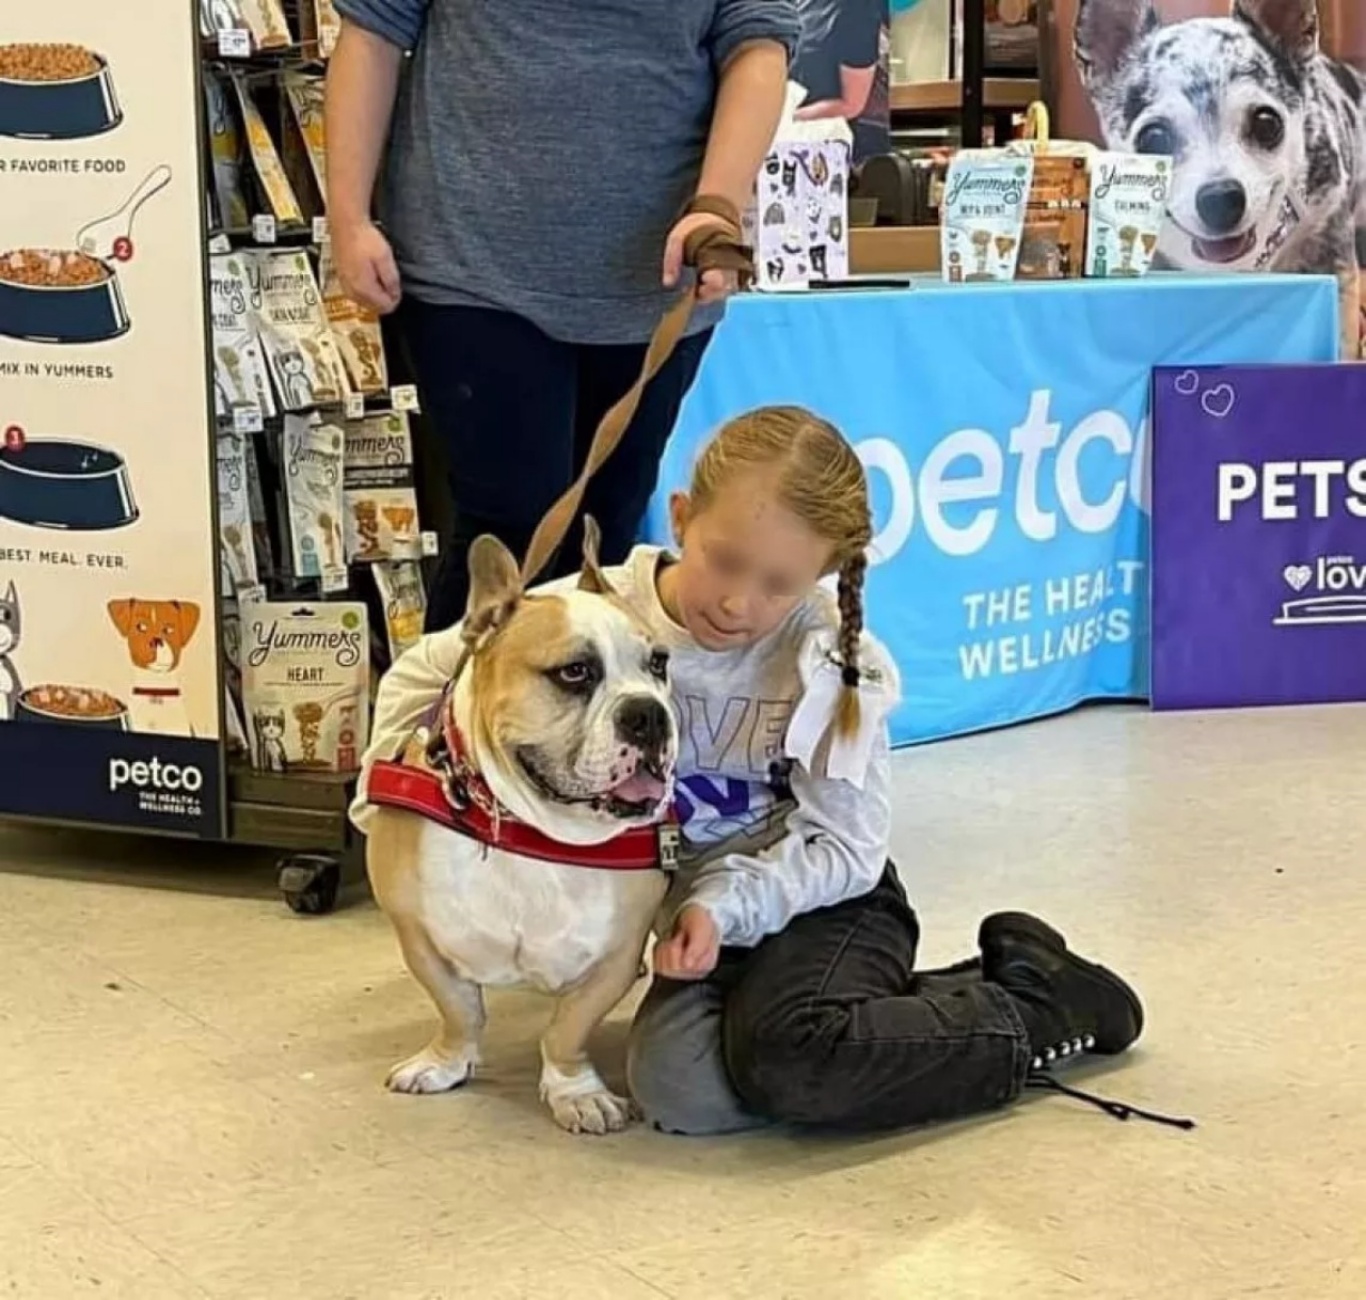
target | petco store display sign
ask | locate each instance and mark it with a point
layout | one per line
(1259, 536)
(1003, 430)
(110, 697)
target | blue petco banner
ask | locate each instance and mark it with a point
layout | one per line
(1003, 430)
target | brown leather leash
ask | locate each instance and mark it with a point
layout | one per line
(712, 248)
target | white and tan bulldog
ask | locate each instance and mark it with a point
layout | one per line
(564, 715)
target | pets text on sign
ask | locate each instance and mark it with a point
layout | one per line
(1259, 537)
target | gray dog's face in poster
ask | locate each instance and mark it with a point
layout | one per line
(1266, 130)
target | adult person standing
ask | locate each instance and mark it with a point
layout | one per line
(841, 59)
(542, 155)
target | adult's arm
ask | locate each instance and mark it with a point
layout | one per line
(362, 82)
(751, 45)
(856, 86)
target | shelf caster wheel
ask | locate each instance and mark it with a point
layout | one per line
(309, 883)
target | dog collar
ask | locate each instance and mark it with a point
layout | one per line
(453, 794)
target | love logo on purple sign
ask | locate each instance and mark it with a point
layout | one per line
(1259, 536)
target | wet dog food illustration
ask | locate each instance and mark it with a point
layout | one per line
(55, 92)
(59, 296)
(84, 706)
(72, 295)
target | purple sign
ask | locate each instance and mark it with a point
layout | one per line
(1259, 536)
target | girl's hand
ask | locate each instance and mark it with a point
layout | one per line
(714, 285)
(366, 265)
(692, 950)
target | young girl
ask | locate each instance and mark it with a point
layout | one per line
(785, 984)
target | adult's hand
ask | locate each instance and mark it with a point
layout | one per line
(714, 285)
(365, 263)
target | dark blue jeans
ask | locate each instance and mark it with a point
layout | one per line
(515, 412)
(828, 1023)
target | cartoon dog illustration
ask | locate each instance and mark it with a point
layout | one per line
(157, 633)
(11, 633)
(1268, 134)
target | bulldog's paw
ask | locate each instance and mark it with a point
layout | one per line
(582, 1103)
(430, 1071)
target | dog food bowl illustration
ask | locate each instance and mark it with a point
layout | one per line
(57, 483)
(59, 296)
(55, 92)
(81, 706)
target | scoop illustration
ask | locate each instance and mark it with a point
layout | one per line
(112, 236)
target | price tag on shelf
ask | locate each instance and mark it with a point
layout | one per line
(263, 228)
(251, 593)
(320, 235)
(234, 43)
(355, 406)
(404, 397)
(220, 243)
(431, 544)
(247, 419)
(335, 580)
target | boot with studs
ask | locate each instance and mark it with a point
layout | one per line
(1070, 1007)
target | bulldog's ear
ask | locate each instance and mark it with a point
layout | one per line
(495, 586)
(1106, 34)
(591, 576)
(1292, 25)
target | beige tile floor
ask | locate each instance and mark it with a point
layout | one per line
(190, 1100)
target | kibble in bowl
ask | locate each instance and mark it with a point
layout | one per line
(47, 62)
(55, 92)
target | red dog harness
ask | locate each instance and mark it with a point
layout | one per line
(455, 796)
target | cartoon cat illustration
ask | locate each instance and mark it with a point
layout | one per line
(269, 726)
(10, 633)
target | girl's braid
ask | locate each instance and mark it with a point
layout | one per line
(851, 575)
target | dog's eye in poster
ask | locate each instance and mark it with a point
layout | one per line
(1262, 104)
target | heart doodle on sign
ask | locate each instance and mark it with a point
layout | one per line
(1186, 383)
(1218, 401)
(1298, 576)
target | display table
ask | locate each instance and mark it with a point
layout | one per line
(1004, 430)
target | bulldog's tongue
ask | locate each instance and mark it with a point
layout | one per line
(640, 787)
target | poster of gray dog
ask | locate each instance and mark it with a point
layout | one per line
(1263, 105)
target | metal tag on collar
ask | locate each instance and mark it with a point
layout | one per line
(669, 840)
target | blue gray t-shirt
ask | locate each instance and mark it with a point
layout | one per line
(542, 149)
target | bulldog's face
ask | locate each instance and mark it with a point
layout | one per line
(572, 696)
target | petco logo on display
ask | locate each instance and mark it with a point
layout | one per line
(159, 787)
(1341, 586)
(961, 485)
(155, 775)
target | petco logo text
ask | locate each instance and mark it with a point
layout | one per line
(970, 467)
(1286, 490)
(153, 774)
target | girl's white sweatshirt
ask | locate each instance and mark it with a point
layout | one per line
(766, 837)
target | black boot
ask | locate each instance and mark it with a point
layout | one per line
(1068, 1005)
